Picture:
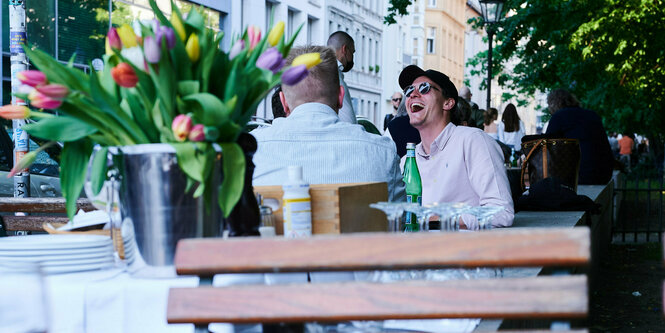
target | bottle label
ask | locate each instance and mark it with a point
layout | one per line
(297, 217)
(410, 153)
(411, 218)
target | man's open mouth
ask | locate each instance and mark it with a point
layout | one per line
(415, 107)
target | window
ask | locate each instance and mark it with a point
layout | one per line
(289, 23)
(431, 3)
(431, 35)
(415, 46)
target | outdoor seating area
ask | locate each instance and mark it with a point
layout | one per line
(292, 166)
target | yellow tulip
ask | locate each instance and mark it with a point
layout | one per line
(276, 33)
(127, 36)
(308, 59)
(107, 46)
(192, 47)
(179, 28)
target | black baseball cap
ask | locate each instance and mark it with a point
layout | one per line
(412, 72)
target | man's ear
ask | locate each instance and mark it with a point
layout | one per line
(285, 105)
(449, 104)
(340, 97)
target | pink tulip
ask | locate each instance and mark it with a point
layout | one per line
(14, 112)
(254, 34)
(124, 75)
(32, 78)
(54, 90)
(42, 101)
(114, 39)
(197, 133)
(181, 126)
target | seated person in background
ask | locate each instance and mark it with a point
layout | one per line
(401, 131)
(312, 136)
(511, 129)
(489, 124)
(569, 120)
(456, 163)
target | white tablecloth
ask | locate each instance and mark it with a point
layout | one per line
(114, 301)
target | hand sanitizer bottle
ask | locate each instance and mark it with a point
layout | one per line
(297, 210)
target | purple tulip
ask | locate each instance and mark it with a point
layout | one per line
(294, 75)
(151, 50)
(271, 59)
(237, 47)
(164, 31)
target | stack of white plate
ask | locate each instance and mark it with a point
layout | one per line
(129, 243)
(59, 253)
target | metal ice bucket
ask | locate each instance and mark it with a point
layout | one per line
(152, 195)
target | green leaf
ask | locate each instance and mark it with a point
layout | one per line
(98, 170)
(233, 167)
(60, 128)
(195, 20)
(74, 161)
(188, 87)
(207, 108)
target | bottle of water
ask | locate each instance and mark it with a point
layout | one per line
(297, 210)
(414, 187)
(513, 158)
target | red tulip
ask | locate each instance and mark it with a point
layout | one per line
(124, 75)
(32, 78)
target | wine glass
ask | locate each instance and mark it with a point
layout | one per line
(393, 211)
(23, 300)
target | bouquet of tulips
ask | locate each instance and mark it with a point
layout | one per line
(173, 84)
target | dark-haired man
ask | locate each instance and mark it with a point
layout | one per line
(344, 48)
(456, 163)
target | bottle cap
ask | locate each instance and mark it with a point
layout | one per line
(295, 172)
(410, 145)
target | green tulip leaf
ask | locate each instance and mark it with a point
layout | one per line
(207, 108)
(195, 20)
(74, 158)
(57, 72)
(188, 87)
(233, 167)
(98, 170)
(60, 128)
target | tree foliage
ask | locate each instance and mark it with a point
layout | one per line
(608, 52)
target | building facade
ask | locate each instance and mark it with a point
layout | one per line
(445, 25)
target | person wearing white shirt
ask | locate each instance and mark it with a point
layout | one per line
(312, 136)
(510, 129)
(456, 163)
(344, 48)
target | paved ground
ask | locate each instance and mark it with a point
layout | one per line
(630, 294)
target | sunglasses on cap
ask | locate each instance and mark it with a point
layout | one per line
(398, 99)
(423, 89)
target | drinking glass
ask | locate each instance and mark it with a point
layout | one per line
(23, 300)
(393, 211)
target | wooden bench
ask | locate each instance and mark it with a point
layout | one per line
(50, 210)
(554, 297)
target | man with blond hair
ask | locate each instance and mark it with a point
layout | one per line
(312, 136)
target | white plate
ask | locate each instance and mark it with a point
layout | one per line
(77, 268)
(77, 262)
(60, 256)
(47, 252)
(49, 242)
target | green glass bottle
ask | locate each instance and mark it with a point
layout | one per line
(414, 187)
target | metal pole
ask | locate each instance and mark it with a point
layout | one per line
(19, 63)
(490, 35)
